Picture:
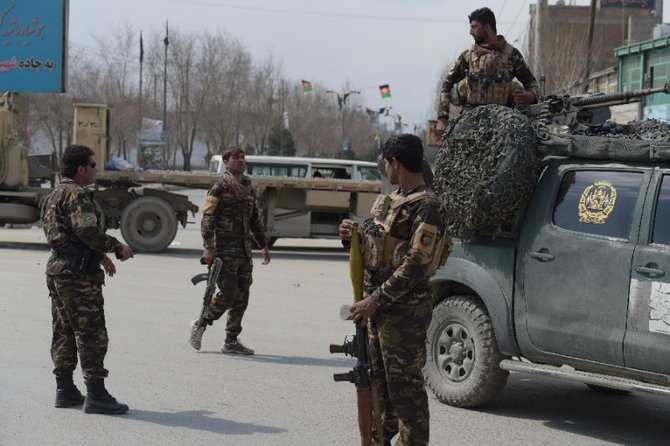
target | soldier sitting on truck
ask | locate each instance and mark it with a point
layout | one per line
(488, 67)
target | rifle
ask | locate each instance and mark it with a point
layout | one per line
(573, 111)
(211, 276)
(357, 346)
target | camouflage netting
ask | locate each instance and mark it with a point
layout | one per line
(486, 170)
(647, 129)
(638, 141)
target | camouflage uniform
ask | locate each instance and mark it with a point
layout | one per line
(75, 279)
(488, 73)
(403, 246)
(230, 215)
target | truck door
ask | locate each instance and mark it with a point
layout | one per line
(576, 253)
(647, 341)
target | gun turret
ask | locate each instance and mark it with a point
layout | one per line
(558, 114)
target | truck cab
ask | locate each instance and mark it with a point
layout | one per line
(577, 289)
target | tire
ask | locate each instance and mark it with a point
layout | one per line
(462, 354)
(148, 224)
(17, 213)
(607, 390)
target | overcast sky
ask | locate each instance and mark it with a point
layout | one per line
(367, 43)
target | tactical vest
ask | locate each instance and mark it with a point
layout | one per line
(382, 251)
(494, 87)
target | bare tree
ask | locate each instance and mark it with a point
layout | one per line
(222, 120)
(118, 58)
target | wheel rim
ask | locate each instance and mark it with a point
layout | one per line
(149, 224)
(455, 352)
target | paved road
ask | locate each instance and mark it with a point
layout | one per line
(284, 395)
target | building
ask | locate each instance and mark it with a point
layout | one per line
(646, 65)
(558, 37)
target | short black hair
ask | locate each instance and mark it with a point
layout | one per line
(230, 151)
(484, 16)
(407, 149)
(74, 156)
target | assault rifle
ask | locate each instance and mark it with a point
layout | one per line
(211, 276)
(573, 111)
(357, 346)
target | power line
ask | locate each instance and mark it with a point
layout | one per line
(517, 16)
(502, 8)
(313, 13)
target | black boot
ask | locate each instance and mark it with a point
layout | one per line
(98, 400)
(67, 394)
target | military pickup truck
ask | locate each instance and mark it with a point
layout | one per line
(578, 289)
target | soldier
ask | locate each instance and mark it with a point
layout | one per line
(75, 279)
(403, 246)
(488, 68)
(230, 214)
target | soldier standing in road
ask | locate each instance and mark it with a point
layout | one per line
(488, 69)
(75, 280)
(230, 216)
(402, 246)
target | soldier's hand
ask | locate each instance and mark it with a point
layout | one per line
(266, 256)
(346, 226)
(208, 256)
(108, 266)
(440, 127)
(125, 253)
(361, 311)
(523, 97)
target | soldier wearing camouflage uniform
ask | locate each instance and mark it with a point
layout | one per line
(403, 246)
(230, 216)
(75, 280)
(488, 69)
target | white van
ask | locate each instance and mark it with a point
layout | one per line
(286, 166)
(300, 221)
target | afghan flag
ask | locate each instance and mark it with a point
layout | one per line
(306, 86)
(385, 91)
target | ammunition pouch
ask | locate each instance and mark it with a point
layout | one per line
(80, 261)
(373, 249)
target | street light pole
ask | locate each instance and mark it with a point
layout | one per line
(166, 42)
(342, 104)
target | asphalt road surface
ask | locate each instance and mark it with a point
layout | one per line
(284, 395)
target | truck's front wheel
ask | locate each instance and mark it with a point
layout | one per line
(148, 224)
(462, 354)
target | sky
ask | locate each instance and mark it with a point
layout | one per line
(361, 44)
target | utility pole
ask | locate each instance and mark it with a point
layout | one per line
(166, 42)
(139, 107)
(539, 31)
(342, 103)
(589, 47)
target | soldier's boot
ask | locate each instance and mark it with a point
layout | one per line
(195, 338)
(233, 346)
(98, 400)
(67, 394)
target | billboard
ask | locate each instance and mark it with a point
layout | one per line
(33, 45)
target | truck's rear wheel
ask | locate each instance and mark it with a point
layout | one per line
(17, 213)
(148, 224)
(462, 354)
